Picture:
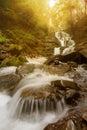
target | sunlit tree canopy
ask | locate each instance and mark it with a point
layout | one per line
(27, 23)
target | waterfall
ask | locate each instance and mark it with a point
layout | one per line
(36, 109)
(9, 123)
(33, 97)
(35, 104)
(67, 45)
(57, 51)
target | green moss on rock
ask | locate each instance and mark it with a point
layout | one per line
(13, 61)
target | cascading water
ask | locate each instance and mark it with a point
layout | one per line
(67, 45)
(34, 104)
(35, 97)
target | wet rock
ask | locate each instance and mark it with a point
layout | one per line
(82, 48)
(4, 54)
(57, 84)
(72, 96)
(70, 74)
(73, 121)
(70, 84)
(8, 78)
(51, 61)
(80, 77)
(9, 82)
(39, 100)
(72, 64)
(73, 57)
(85, 116)
(64, 84)
(60, 69)
(84, 66)
(25, 69)
(68, 89)
(41, 93)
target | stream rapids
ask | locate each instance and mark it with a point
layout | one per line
(37, 116)
(36, 102)
(28, 110)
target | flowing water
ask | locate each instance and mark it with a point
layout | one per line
(31, 112)
(38, 107)
(7, 123)
(7, 70)
(67, 45)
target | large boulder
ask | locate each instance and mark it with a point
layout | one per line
(73, 121)
(8, 78)
(68, 89)
(37, 101)
(41, 93)
(59, 69)
(73, 57)
(82, 48)
(80, 77)
(64, 84)
(72, 97)
(9, 82)
(25, 69)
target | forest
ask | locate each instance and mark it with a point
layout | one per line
(28, 27)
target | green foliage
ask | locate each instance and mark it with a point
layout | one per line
(21, 36)
(15, 46)
(24, 26)
(15, 49)
(13, 61)
(3, 39)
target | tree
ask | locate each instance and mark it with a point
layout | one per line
(67, 11)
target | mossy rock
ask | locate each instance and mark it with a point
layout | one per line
(13, 61)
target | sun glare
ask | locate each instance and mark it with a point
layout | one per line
(51, 3)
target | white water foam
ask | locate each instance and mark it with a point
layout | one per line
(7, 70)
(38, 60)
(8, 104)
(35, 80)
(39, 78)
(8, 123)
(67, 44)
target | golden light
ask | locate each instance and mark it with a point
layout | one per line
(52, 3)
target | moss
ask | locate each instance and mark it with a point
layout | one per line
(22, 58)
(15, 49)
(3, 39)
(13, 61)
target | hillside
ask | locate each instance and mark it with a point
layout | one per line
(24, 30)
(21, 35)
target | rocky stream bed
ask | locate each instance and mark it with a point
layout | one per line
(68, 82)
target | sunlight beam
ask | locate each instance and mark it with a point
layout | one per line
(52, 3)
